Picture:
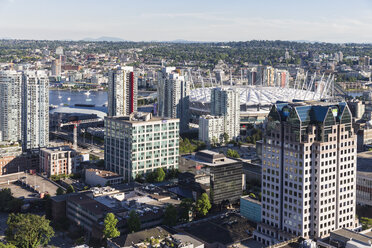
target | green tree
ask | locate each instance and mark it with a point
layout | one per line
(8, 203)
(28, 230)
(203, 204)
(172, 173)
(232, 153)
(170, 215)
(252, 195)
(2, 245)
(60, 191)
(14, 205)
(214, 141)
(139, 178)
(70, 189)
(366, 223)
(110, 230)
(186, 207)
(159, 175)
(5, 197)
(226, 138)
(134, 222)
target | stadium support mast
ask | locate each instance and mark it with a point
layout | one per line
(202, 81)
(305, 79)
(295, 82)
(210, 78)
(310, 85)
(326, 86)
(192, 82)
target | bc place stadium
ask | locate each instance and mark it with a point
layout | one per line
(256, 101)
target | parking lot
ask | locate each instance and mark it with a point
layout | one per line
(27, 186)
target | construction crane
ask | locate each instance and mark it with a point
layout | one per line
(76, 124)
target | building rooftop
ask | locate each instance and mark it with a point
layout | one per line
(257, 95)
(248, 198)
(364, 162)
(139, 117)
(346, 235)
(311, 111)
(104, 174)
(89, 204)
(166, 236)
(210, 158)
(57, 149)
(79, 111)
(225, 229)
(141, 236)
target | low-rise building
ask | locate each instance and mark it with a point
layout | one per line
(227, 230)
(12, 160)
(57, 160)
(345, 238)
(96, 177)
(163, 237)
(250, 209)
(364, 188)
(357, 108)
(8, 152)
(364, 179)
(364, 137)
(87, 213)
(88, 209)
(223, 175)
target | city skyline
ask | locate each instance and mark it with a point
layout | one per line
(327, 21)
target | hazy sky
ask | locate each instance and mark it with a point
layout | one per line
(198, 20)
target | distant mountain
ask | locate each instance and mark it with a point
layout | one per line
(307, 41)
(104, 38)
(182, 41)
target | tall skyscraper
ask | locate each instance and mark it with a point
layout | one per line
(56, 67)
(122, 91)
(140, 143)
(226, 103)
(173, 96)
(308, 171)
(35, 110)
(10, 105)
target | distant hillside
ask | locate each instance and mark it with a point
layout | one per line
(104, 38)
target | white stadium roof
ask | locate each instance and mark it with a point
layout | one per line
(254, 95)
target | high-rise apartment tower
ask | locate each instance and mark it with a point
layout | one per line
(122, 91)
(10, 105)
(308, 171)
(35, 110)
(174, 94)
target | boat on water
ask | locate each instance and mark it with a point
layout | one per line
(87, 93)
(68, 98)
(59, 97)
(88, 100)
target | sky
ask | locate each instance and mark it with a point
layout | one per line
(334, 21)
